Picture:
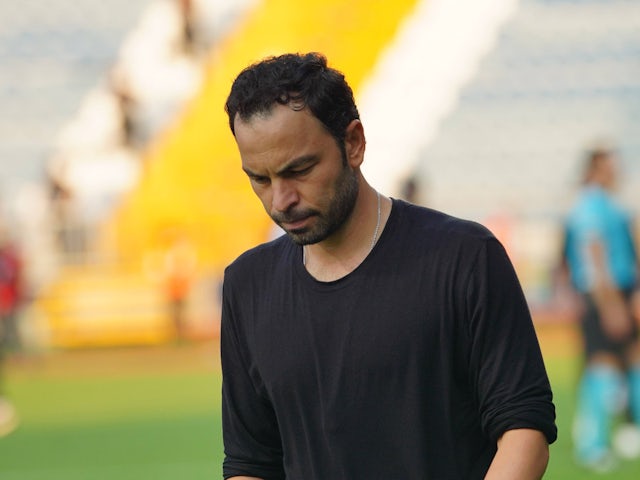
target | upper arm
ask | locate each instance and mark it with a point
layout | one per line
(506, 369)
(250, 430)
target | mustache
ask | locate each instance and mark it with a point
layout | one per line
(292, 216)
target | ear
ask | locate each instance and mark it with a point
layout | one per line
(354, 143)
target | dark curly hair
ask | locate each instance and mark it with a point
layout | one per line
(297, 80)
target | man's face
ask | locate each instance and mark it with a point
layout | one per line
(609, 172)
(297, 170)
(605, 172)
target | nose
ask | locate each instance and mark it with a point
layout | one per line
(284, 196)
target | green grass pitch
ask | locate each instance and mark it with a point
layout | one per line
(155, 414)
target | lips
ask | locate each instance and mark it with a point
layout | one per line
(296, 224)
(294, 221)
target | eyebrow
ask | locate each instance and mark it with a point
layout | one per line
(304, 160)
(297, 163)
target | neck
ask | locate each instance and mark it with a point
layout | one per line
(336, 257)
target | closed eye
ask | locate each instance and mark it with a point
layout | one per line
(260, 180)
(298, 172)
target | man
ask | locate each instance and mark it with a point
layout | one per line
(600, 255)
(10, 297)
(377, 339)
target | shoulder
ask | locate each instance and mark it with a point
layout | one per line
(426, 224)
(593, 209)
(592, 200)
(432, 241)
(261, 259)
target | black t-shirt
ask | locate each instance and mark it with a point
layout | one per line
(410, 367)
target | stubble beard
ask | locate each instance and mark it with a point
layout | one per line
(327, 223)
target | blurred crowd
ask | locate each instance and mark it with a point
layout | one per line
(97, 158)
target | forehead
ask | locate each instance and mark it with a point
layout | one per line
(282, 130)
(278, 117)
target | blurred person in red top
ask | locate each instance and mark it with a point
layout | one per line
(10, 297)
(10, 292)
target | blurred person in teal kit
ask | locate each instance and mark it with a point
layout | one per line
(602, 260)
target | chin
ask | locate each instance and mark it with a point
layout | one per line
(305, 237)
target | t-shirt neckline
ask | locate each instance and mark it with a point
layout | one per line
(361, 269)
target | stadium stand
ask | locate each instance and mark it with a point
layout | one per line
(51, 54)
(527, 87)
(563, 74)
(190, 178)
